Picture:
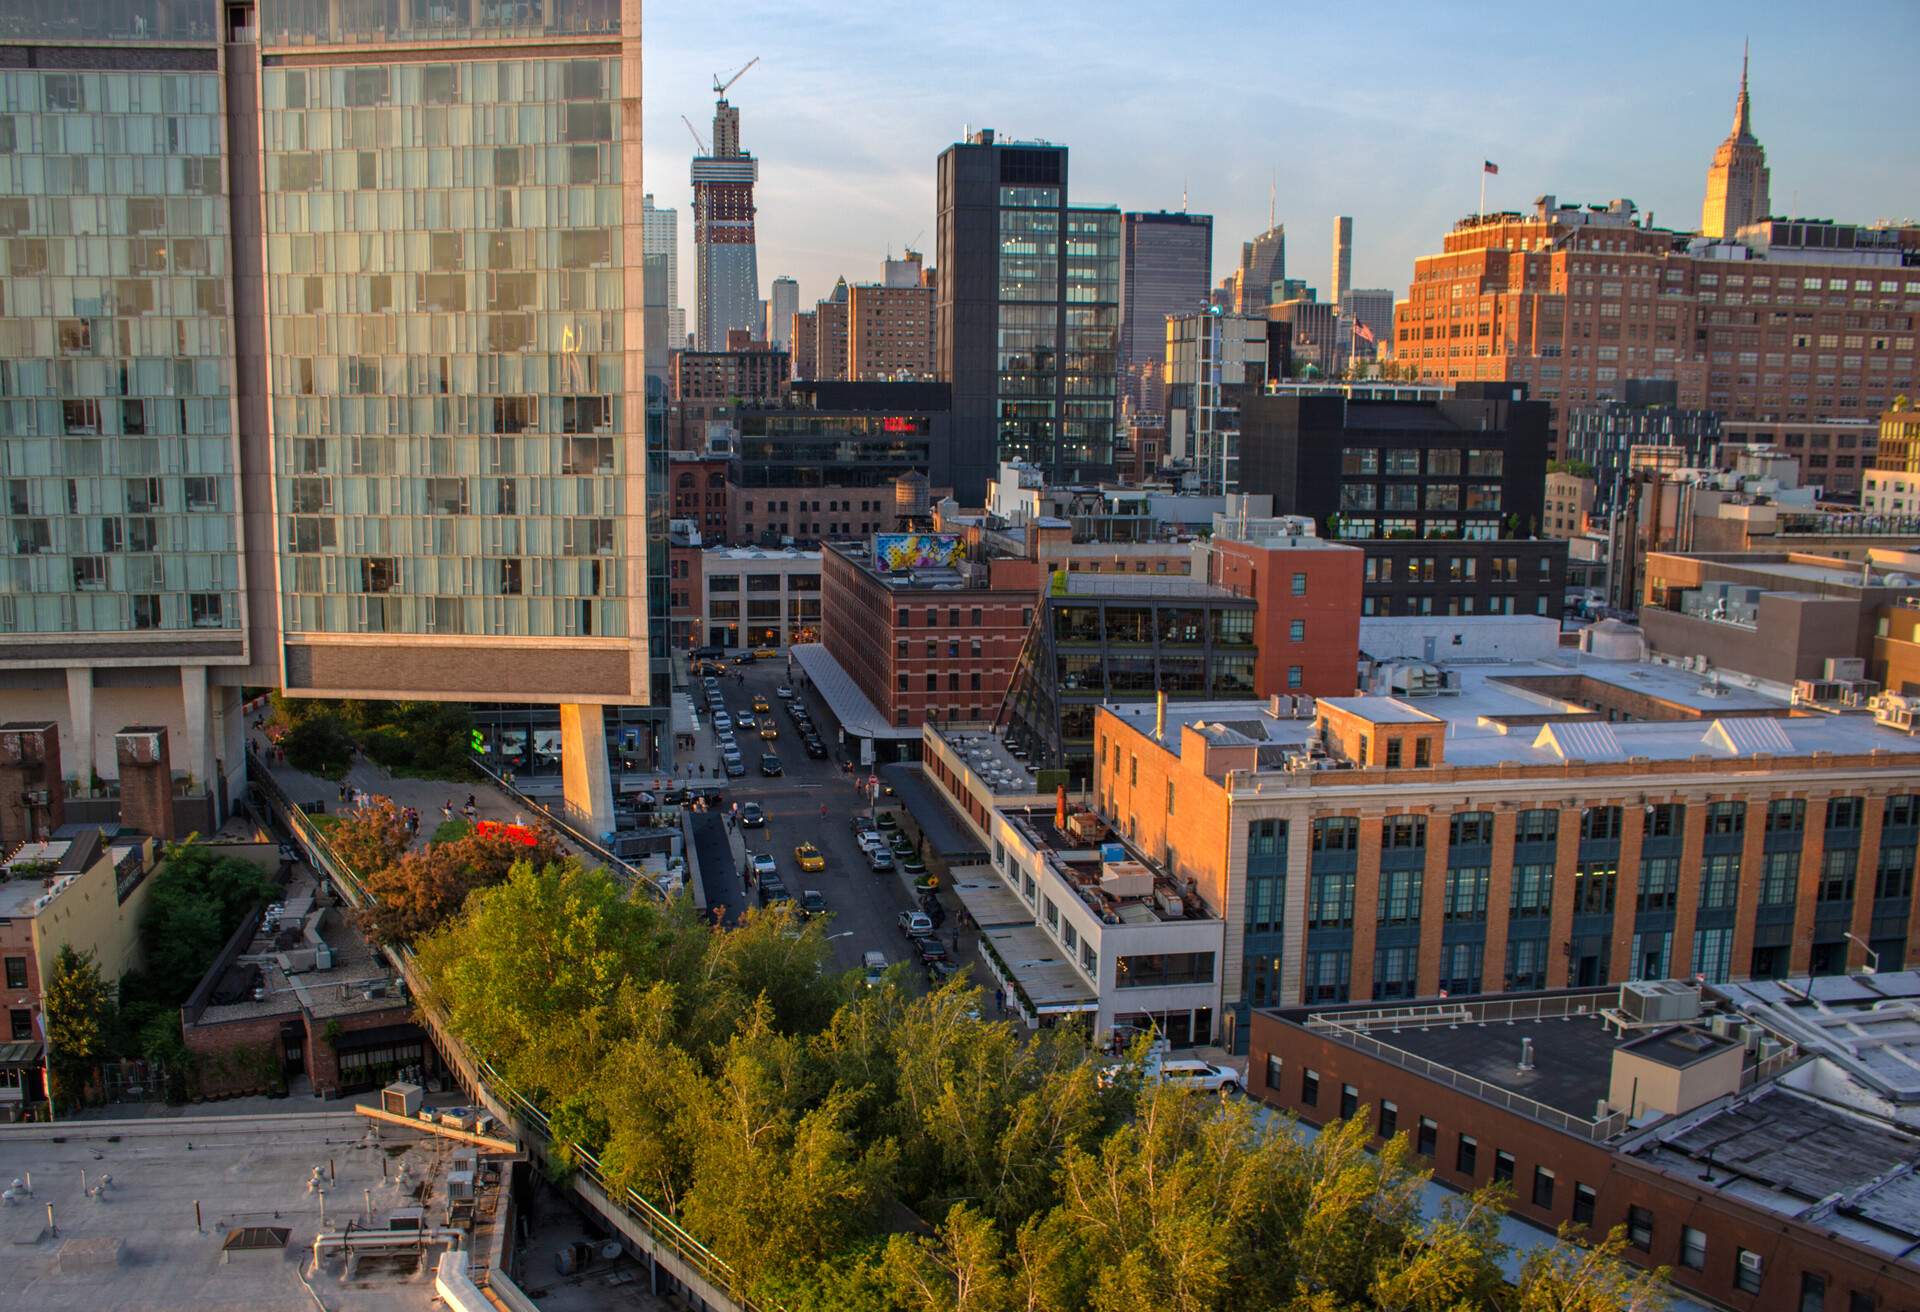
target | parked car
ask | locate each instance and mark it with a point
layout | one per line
(880, 859)
(814, 747)
(930, 949)
(722, 722)
(784, 693)
(873, 968)
(808, 858)
(735, 767)
(763, 866)
(1200, 1075)
(770, 765)
(812, 904)
(914, 923)
(773, 889)
(859, 823)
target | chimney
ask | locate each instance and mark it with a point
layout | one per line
(33, 795)
(1060, 808)
(146, 780)
(1526, 1054)
(1160, 716)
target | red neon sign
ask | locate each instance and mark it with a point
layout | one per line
(896, 424)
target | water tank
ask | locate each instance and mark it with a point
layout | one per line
(910, 495)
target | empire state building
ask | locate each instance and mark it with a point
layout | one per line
(1737, 180)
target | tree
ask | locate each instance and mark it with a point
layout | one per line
(422, 890)
(1571, 1277)
(79, 1009)
(319, 744)
(538, 974)
(198, 899)
(372, 837)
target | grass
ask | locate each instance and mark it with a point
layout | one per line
(450, 831)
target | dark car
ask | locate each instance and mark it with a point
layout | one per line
(812, 904)
(773, 889)
(735, 767)
(814, 748)
(770, 765)
(931, 949)
(752, 817)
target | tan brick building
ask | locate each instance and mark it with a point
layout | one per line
(1794, 322)
(1523, 826)
(890, 333)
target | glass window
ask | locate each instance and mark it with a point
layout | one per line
(1542, 1187)
(1389, 1119)
(1502, 1167)
(1693, 1248)
(1310, 1088)
(1747, 1270)
(1466, 1157)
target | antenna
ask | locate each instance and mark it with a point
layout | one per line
(1183, 193)
(1273, 200)
(720, 88)
(696, 135)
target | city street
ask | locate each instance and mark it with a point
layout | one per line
(864, 904)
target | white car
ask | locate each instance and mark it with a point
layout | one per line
(1200, 1075)
(873, 967)
(722, 723)
(763, 865)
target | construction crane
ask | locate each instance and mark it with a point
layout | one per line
(720, 88)
(696, 135)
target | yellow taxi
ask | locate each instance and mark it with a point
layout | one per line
(760, 704)
(769, 730)
(808, 857)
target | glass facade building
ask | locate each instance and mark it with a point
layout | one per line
(445, 291)
(322, 333)
(116, 354)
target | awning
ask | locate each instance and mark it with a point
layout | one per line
(380, 1036)
(948, 833)
(1040, 968)
(23, 1052)
(853, 709)
(683, 720)
(990, 902)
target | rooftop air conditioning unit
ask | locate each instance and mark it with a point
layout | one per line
(401, 1099)
(1845, 668)
(1659, 1001)
(1171, 906)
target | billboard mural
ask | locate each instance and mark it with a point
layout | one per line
(917, 550)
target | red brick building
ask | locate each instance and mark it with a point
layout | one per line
(1307, 621)
(707, 385)
(1758, 1185)
(698, 485)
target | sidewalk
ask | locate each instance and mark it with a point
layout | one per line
(427, 796)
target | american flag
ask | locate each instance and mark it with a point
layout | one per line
(1361, 331)
(1488, 166)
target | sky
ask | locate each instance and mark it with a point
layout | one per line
(1384, 111)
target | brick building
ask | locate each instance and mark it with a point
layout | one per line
(804, 339)
(686, 601)
(1834, 454)
(1762, 1153)
(830, 330)
(698, 486)
(708, 385)
(1793, 322)
(889, 333)
(1512, 826)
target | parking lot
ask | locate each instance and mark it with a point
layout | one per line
(812, 801)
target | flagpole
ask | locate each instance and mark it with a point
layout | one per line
(1483, 192)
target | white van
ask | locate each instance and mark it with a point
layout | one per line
(874, 965)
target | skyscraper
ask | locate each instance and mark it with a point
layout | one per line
(1263, 262)
(1342, 259)
(662, 230)
(1738, 177)
(1166, 267)
(723, 240)
(1028, 313)
(365, 414)
(783, 302)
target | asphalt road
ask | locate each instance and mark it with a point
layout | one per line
(813, 801)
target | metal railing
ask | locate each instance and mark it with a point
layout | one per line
(563, 823)
(513, 1109)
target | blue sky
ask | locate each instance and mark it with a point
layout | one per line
(1379, 110)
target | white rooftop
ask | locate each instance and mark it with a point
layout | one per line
(1500, 713)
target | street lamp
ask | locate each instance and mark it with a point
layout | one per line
(1873, 966)
(845, 933)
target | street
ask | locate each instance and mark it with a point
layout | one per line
(864, 904)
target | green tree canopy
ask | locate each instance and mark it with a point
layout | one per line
(422, 890)
(197, 900)
(79, 1009)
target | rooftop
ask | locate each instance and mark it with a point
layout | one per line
(1001, 768)
(1550, 712)
(1800, 1157)
(1050, 980)
(136, 1244)
(761, 553)
(1118, 882)
(37, 873)
(851, 707)
(1081, 583)
(1868, 1025)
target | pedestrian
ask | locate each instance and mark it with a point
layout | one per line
(956, 941)
(471, 804)
(343, 793)
(446, 811)
(999, 999)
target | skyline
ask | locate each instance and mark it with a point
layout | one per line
(847, 128)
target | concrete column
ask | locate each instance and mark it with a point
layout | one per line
(197, 758)
(80, 717)
(585, 782)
